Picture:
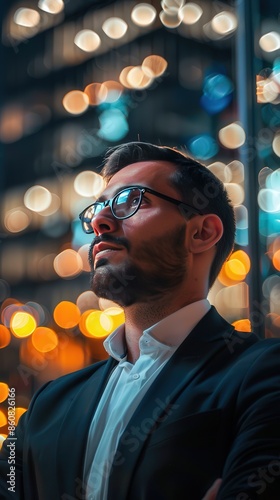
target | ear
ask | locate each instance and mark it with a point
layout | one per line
(205, 231)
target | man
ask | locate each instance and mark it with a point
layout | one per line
(184, 400)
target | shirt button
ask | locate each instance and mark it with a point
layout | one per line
(135, 376)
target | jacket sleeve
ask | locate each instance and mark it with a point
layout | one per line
(252, 468)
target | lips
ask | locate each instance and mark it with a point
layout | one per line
(100, 247)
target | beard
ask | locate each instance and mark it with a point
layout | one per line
(153, 268)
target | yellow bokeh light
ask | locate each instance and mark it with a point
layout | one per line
(44, 339)
(67, 314)
(5, 336)
(2, 439)
(116, 314)
(94, 326)
(3, 419)
(23, 324)
(235, 270)
(82, 322)
(4, 391)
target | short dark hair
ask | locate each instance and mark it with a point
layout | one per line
(196, 183)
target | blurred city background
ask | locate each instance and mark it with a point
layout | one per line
(80, 76)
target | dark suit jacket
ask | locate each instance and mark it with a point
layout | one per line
(213, 411)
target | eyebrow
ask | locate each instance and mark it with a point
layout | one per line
(102, 198)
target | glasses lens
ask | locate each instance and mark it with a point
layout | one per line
(127, 202)
(86, 218)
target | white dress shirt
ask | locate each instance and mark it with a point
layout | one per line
(127, 386)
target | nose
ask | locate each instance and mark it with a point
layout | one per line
(104, 222)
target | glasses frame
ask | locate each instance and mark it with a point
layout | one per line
(184, 207)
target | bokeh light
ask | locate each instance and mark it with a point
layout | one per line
(87, 300)
(113, 125)
(37, 198)
(232, 136)
(143, 14)
(29, 18)
(98, 324)
(224, 23)
(44, 339)
(68, 264)
(4, 391)
(3, 419)
(66, 314)
(270, 41)
(276, 144)
(96, 93)
(203, 146)
(190, 13)
(154, 66)
(75, 102)
(18, 412)
(242, 325)
(23, 324)
(87, 40)
(84, 254)
(88, 184)
(5, 336)
(16, 220)
(114, 27)
(269, 200)
(51, 6)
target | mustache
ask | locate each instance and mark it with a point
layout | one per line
(107, 238)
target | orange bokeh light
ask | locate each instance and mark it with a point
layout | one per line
(4, 391)
(67, 314)
(242, 325)
(44, 339)
(5, 336)
(276, 260)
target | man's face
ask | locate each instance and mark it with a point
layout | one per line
(142, 257)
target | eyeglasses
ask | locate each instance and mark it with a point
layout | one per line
(125, 204)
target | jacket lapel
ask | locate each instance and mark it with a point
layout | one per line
(206, 340)
(71, 445)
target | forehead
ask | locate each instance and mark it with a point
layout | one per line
(153, 174)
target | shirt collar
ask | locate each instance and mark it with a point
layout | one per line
(170, 331)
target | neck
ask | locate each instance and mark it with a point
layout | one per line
(140, 316)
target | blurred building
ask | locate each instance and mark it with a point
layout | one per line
(81, 76)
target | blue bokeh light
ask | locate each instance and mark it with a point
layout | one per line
(203, 146)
